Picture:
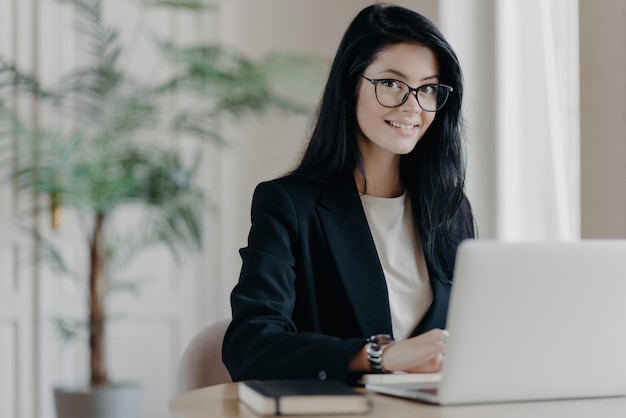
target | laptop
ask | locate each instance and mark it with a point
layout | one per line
(532, 321)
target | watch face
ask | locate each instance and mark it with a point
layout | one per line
(381, 339)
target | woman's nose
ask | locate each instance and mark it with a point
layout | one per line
(411, 104)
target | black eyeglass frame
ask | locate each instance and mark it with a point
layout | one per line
(375, 82)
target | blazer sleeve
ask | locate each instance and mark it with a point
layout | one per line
(262, 341)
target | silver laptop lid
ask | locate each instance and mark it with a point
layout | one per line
(540, 320)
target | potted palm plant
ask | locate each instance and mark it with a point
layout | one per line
(109, 152)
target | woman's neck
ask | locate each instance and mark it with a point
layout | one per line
(382, 179)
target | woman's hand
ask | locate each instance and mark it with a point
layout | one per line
(421, 354)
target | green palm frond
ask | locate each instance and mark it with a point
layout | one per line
(69, 329)
(239, 86)
(232, 80)
(192, 5)
(202, 67)
(295, 81)
(201, 124)
(11, 131)
(127, 286)
(12, 80)
(176, 204)
(51, 173)
(100, 39)
(103, 87)
(52, 257)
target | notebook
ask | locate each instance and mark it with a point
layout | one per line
(302, 397)
(532, 321)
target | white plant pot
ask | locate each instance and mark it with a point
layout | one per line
(121, 400)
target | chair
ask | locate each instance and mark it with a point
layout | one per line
(201, 364)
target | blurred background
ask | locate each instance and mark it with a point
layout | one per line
(546, 141)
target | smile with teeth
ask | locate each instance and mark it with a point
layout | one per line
(400, 125)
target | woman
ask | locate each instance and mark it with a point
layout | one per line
(358, 243)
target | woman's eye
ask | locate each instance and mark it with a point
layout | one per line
(428, 89)
(390, 84)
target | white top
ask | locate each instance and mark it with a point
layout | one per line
(402, 258)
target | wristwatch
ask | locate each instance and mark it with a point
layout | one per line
(375, 347)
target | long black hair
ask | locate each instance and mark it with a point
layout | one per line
(434, 172)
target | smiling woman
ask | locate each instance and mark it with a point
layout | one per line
(391, 118)
(349, 259)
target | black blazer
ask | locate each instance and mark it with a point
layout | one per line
(311, 288)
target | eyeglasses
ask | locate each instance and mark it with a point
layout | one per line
(394, 93)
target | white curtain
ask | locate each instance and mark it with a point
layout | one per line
(521, 70)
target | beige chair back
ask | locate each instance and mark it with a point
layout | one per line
(201, 364)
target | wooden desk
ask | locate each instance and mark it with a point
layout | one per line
(221, 402)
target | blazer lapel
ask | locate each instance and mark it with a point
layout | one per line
(352, 247)
(437, 314)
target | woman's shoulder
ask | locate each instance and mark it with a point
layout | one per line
(337, 192)
(293, 184)
(289, 194)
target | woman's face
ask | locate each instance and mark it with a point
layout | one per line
(395, 131)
